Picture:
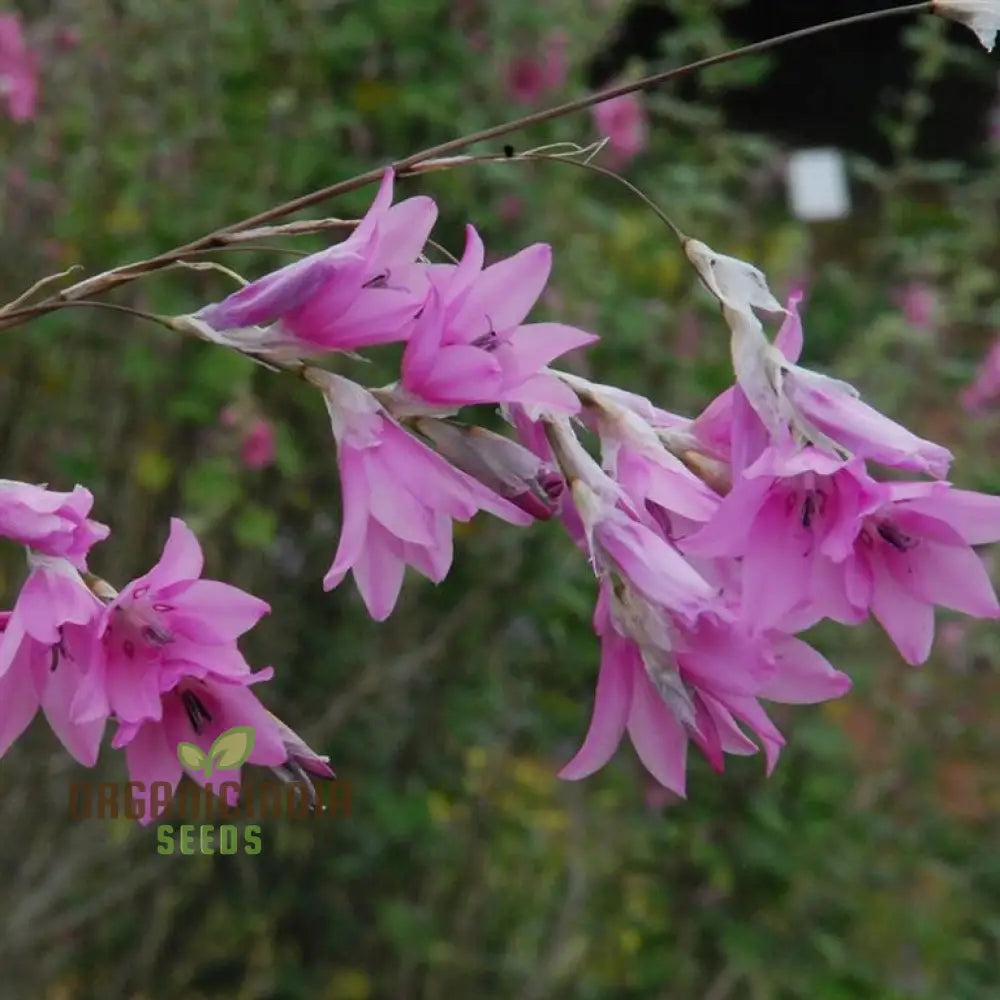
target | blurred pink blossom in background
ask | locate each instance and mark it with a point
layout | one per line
(623, 121)
(18, 75)
(257, 449)
(530, 77)
(918, 302)
(985, 388)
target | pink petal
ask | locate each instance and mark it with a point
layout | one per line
(424, 344)
(803, 676)
(536, 345)
(378, 573)
(463, 374)
(181, 560)
(789, 337)
(19, 699)
(150, 758)
(353, 530)
(907, 619)
(506, 291)
(660, 741)
(216, 613)
(403, 231)
(619, 667)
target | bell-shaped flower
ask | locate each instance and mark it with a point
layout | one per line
(667, 689)
(48, 522)
(634, 455)
(198, 711)
(815, 408)
(162, 627)
(471, 344)
(791, 519)
(915, 552)
(366, 290)
(47, 648)
(399, 498)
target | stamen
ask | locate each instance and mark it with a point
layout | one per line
(896, 538)
(196, 711)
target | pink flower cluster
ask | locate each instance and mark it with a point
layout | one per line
(160, 658)
(715, 540)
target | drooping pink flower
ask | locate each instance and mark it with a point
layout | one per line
(666, 697)
(985, 388)
(825, 411)
(623, 121)
(46, 648)
(257, 449)
(18, 70)
(399, 498)
(471, 344)
(48, 522)
(198, 711)
(635, 457)
(791, 519)
(366, 290)
(915, 552)
(163, 627)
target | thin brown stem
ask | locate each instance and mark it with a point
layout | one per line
(120, 276)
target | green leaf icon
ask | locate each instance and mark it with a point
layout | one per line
(191, 756)
(231, 749)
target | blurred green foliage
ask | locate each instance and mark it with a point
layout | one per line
(865, 867)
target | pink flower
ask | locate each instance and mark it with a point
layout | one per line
(665, 697)
(258, 446)
(399, 498)
(50, 523)
(791, 519)
(366, 290)
(986, 386)
(163, 627)
(825, 411)
(18, 70)
(623, 121)
(471, 345)
(198, 711)
(634, 455)
(915, 552)
(46, 648)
